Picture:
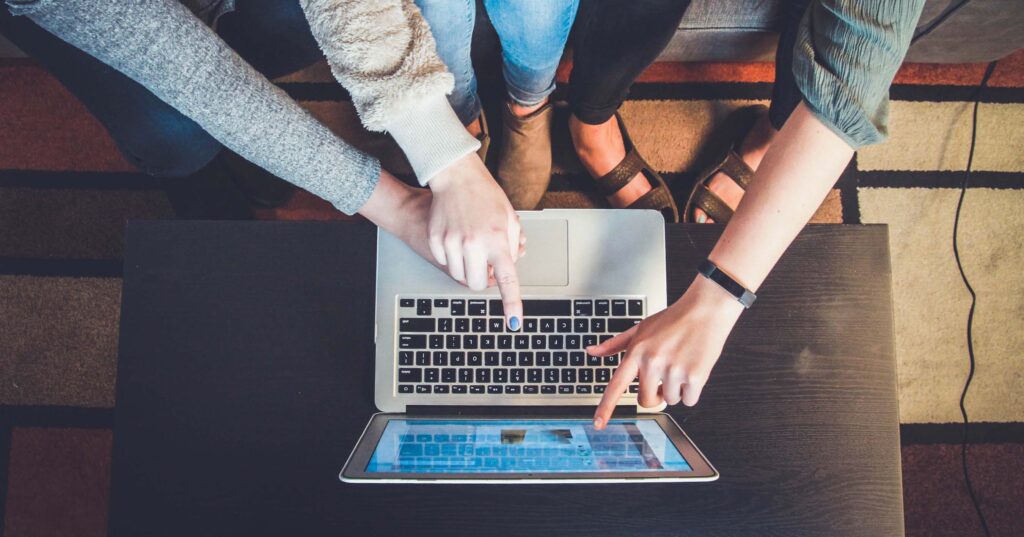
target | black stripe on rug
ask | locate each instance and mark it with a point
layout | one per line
(70, 180)
(56, 416)
(952, 433)
(66, 267)
(5, 463)
(939, 179)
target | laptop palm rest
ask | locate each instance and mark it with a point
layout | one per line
(546, 262)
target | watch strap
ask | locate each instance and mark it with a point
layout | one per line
(711, 271)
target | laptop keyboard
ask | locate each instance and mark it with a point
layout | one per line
(462, 346)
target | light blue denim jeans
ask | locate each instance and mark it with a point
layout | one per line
(532, 35)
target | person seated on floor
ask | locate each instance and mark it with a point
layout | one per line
(380, 50)
(532, 35)
(835, 62)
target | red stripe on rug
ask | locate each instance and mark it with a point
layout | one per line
(59, 483)
(47, 128)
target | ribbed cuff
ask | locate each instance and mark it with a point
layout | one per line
(432, 137)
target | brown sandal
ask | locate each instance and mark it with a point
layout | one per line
(658, 198)
(721, 155)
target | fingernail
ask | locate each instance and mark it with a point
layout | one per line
(513, 323)
(598, 422)
(701, 218)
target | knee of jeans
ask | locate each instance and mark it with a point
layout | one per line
(168, 146)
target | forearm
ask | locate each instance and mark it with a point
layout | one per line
(161, 45)
(803, 163)
(383, 53)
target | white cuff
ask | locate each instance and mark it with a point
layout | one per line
(431, 136)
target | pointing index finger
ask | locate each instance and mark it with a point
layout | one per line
(508, 285)
(620, 381)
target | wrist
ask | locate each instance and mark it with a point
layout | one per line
(450, 177)
(714, 300)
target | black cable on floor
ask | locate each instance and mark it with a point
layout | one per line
(974, 298)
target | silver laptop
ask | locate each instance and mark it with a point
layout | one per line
(443, 350)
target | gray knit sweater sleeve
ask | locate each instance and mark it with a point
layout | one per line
(846, 55)
(161, 45)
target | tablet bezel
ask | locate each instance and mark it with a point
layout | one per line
(354, 470)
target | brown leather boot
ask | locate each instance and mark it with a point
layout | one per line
(524, 170)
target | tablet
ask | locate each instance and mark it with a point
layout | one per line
(558, 449)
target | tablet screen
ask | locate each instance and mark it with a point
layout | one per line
(518, 446)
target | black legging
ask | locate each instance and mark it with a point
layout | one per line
(615, 40)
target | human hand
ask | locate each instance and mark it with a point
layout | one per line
(673, 350)
(475, 233)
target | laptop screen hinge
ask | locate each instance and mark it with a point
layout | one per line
(582, 411)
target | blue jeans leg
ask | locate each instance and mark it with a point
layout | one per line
(533, 35)
(451, 22)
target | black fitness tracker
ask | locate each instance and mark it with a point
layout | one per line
(711, 271)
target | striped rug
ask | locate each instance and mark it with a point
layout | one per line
(65, 193)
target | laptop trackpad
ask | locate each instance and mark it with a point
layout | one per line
(547, 253)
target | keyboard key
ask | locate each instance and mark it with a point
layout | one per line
(422, 388)
(517, 376)
(406, 341)
(589, 340)
(470, 342)
(404, 357)
(462, 325)
(568, 376)
(476, 388)
(547, 326)
(500, 375)
(593, 360)
(583, 389)
(465, 375)
(496, 325)
(576, 359)
(634, 389)
(543, 358)
(529, 325)
(530, 389)
(522, 341)
(475, 359)
(621, 325)
(636, 308)
(599, 389)
(406, 303)
(440, 302)
(548, 389)
(550, 375)
(422, 357)
(496, 308)
(603, 338)
(597, 325)
(505, 342)
(431, 374)
(458, 358)
(405, 388)
(604, 375)
(423, 307)
(490, 359)
(534, 375)
(508, 359)
(561, 359)
(538, 342)
(580, 326)
(512, 389)
(477, 308)
(602, 308)
(453, 341)
(436, 341)
(564, 389)
(494, 389)
(552, 308)
(525, 359)
(441, 388)
(479, 324)
(483, 376)
(448, 375)
(440, 358)
(611, 360)
(458, 388)
(563, 325)
(572, 341)
(410, 375)
(556, 342)
(444, 324)
(586, 376)
(414, 324)
(583, 308)
(619, 308)
(458, 307)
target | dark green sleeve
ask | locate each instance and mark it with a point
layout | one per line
(845, 57)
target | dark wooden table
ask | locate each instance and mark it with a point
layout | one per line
(245, 378)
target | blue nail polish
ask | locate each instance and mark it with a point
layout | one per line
(513, 323)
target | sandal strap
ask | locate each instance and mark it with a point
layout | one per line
(613, 181)
(713, 205)
(737, 170)
(657, 198)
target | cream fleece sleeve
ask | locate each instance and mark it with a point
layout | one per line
(383, 53)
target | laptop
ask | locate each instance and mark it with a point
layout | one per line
(465, 400)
